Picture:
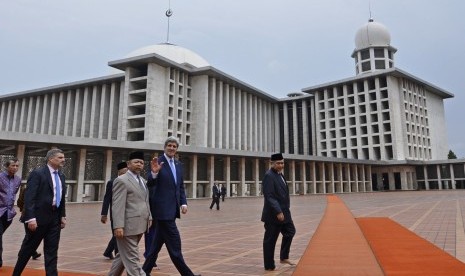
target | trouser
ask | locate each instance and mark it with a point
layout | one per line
(50, 234)
(166, 232)
(215, 200)
(4, 224)
(269, 242)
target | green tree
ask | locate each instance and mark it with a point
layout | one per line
(451, 155)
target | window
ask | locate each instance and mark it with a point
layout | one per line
(379, 52)
(380, 64)
(365, 54)
(366, 66)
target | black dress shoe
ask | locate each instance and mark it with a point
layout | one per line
(36, 256)
(109, 256)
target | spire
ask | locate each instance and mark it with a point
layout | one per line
(168, 13)
(369, 10)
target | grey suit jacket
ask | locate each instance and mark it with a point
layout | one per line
(130, 205)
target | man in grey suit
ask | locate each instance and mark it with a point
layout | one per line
(131, 216)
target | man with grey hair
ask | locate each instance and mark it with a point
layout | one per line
(9, 185)
(44, 213)
(166, 178)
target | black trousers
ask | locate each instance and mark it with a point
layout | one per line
(4, 224)
(269, 242)
(215, 200)
(166, 232)
(111, 246)
(50, 234)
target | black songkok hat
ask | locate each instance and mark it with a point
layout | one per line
(121, 165)
(136, 155)
(276, 157)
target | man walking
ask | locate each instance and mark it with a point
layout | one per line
(45, 213)
(131, 216)
(121, 168)
(215, 197)
(9, 185)
(167, 179)
(276, 213)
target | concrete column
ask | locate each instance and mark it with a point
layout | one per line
(84, 114)
(364, 188)
(370, 185)
(313, 176)
(101, 123)
(227, 164)
(331, 178)
(357, 180)
(295, 127)
(255, 189)
(194, 159)
(403, 179)
(93, 110)
(211, 175)
(452, 176)
(340, 178)
(20, 152)
(286, 128)
(303, 177)
(349, 185)
(79, 187)
(305, 129)
(226, 118)
(438, 172)
(291, 179)
(410, 180)
(323, 176)
(392, 184)
(76, 95)
(219, 115)
(233, 118)
(242, 186)
(107, 174)
(425, 173)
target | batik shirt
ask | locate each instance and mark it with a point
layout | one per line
(8, 188)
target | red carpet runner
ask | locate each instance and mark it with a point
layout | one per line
(402, 252)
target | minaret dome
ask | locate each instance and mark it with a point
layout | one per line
(373, 50)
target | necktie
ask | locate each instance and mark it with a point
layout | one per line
(173, 170)
(57, 189)
(282, 178)
(140, 183)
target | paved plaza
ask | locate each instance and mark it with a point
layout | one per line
(229, 241)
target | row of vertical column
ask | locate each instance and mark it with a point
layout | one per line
(303, 177)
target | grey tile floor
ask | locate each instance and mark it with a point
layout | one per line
(229, 241)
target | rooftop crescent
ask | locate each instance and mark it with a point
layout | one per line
(173, 52)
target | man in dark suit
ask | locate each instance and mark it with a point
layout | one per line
(45, 213)
(122, 168)
(276, 213)
(215, 197)
(223, 192)
(167, 179)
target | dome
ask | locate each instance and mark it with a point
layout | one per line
(172, 52)
(372, 34)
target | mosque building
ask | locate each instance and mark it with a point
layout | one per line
(383, 129)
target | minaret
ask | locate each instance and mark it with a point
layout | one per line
(372, 48)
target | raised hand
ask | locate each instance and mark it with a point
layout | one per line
(155, 166)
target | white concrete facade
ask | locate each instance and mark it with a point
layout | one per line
(353, 135)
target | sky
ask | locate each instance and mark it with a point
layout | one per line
(276, 46)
